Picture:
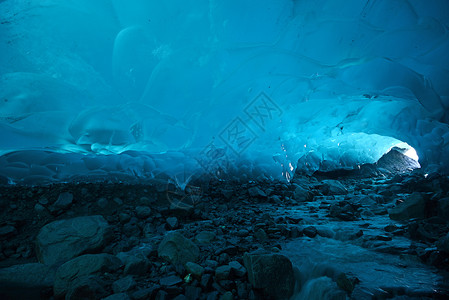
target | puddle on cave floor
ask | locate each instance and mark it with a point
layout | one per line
(379, 273)
(383, 267)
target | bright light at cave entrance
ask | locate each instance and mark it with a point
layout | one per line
(410, 152)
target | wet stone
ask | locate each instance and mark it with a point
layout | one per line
(227, 296)
(261, 235)
(175, 248)
(206, 281)
(124, 284)
(143, 212)
(60, 241)
(26, 281)
(172, 222)
(170, 280)
(7, 230)
(146, 293)
(222, 272)
(39, 208)
(256, 192)
(124, 218)
(195, 269)
(242, 233)
(102, 202)
(87, 287)
(237, 269)
(192, 292)
(136, 266)
(63, 202)
(271, 272)
(205, 237)
(310, 231)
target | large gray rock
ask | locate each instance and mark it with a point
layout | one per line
(223, 272)
(60, 241)
(64, 202)
(90, 287)
(333, 187)
(136, 266)
(302, 194)
(124, 284)
(25, 281)
(84, 265)
(256, 192)
(194, 269)
(271, 272)
(175, 248)
(413, 207)
(322, 288)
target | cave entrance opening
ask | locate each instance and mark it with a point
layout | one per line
(400, 158)
(408, 151)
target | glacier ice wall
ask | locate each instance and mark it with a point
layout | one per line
(233, 85)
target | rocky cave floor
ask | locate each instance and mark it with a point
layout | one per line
(225, 240)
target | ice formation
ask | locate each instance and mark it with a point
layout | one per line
(184, 86)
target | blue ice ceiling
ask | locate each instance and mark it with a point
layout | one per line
(235, 84)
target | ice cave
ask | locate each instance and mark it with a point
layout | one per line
(205, 149)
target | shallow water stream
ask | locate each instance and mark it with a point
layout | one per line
(385, 268)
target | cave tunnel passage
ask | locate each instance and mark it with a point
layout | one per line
(237, 149)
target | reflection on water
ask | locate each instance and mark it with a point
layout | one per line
(380, 274)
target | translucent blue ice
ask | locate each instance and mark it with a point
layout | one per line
(267, 83)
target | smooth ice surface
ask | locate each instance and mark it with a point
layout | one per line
(226, 84)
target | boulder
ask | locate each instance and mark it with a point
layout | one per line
(413, 207)
(143, 212)
(63, 203)
(87, 288)
(60, 241)
(322, 288)
(333, 187)
(82, 266)
(273, 273)
(302, 194)
(136, 261)
(256, 192)
(310, 231)
(136, 266)
(222, 272)
(170, 280)
(261, 235)
(26, 281)
(343, 210)
(346, 283)
(237, 269)
(124, 284)
(194, 269)
(177, 249)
